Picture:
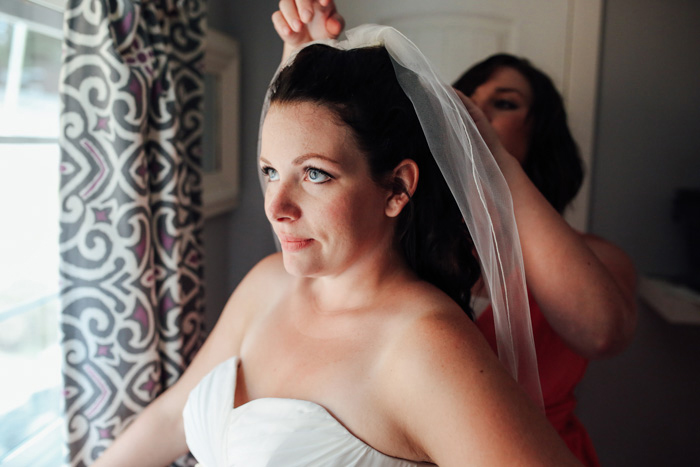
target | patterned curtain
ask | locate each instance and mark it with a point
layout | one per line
(131, 254)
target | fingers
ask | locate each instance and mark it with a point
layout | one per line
(335, 24)
(318, 18)
(290, 13)
(298, 22)
(482, 123)
(321, 18)
(474, 111)
(283, 29)
(305, 9)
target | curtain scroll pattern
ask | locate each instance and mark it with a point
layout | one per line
(130, 245)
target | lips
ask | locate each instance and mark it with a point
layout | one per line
(290, 243)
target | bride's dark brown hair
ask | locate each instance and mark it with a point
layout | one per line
(361, 88)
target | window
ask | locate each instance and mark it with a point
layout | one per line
(31, 423)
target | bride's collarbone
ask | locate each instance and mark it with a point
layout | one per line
(298, 352)
(296, 346)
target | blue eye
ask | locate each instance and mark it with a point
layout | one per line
(270, 173)
(317, 175)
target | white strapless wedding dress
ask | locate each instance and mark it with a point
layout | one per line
(270, 432)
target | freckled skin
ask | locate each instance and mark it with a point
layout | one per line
(344, 216)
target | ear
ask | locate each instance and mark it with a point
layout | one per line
(404, 180)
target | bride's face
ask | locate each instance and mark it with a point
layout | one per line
(326, 210)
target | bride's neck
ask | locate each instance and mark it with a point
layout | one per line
(357, 288)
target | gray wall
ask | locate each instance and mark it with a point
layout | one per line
(236, 241)
(648, 138)
(641, 408)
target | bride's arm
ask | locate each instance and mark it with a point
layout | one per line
(157, 436)
(456, 405)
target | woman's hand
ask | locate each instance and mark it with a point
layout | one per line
(482, 123)
(300, 21)
(503, 157)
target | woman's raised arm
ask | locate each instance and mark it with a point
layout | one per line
(585, 286)
(157, 436)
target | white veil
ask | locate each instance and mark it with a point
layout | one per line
(478, 187)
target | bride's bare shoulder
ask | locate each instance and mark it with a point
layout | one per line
(271, 264)
(434, 326)
(268, 273)
(444, 388)
(435, 319)
(266, 279)
(426, 306)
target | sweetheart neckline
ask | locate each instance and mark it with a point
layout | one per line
(315, 405)
(319, 408)
(230, 368)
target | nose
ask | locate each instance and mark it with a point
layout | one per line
(280, 204)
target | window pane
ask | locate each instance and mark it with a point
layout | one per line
(31, 360)
(29, 351)
(29, 73)
(29, 246)
(31, 415)
(5, 40)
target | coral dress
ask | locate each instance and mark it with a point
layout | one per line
(560, 371)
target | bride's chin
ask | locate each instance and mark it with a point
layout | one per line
(298, 267)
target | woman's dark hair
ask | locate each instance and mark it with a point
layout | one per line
(361, 88)
(552, 162)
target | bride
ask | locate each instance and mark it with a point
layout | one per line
(353, 345)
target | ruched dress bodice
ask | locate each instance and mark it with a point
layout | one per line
(271, 432)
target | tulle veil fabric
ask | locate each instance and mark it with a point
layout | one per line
(478, 187)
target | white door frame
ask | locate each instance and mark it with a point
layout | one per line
(581, 95)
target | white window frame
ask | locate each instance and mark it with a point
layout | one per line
(58, 5)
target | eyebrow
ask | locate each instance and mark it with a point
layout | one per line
(510, 90)
(304, 157)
